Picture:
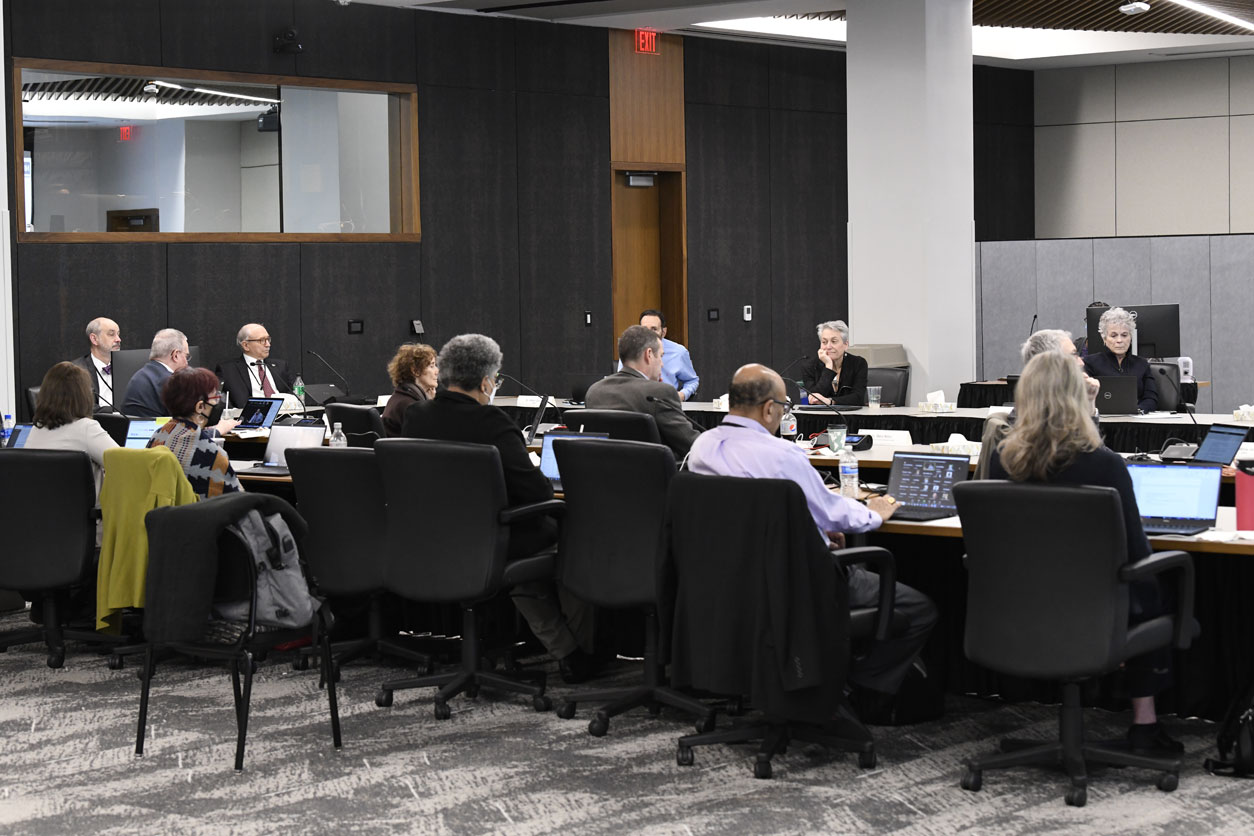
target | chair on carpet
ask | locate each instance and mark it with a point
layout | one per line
(461, 558)
(1056, 607)
(356, 419)
(618, 423)
(611, 541)
(894, 383)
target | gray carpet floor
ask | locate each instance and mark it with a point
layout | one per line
(497, 766)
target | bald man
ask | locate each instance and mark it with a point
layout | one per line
(746, 445)
(254, 374)
(104, 336)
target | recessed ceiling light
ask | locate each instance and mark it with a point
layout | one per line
(1136, 8)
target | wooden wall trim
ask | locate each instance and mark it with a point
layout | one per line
(217, 237)
(646, 100)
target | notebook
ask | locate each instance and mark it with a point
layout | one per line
(548, 459)
(281, 440)
(139, 432)
(17, 438)
(259, 413)
(1176, 499)
(924, 484)
(1220, 446)
(1117, 395)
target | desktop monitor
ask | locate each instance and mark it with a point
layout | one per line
(1157, 329)
(130, 360)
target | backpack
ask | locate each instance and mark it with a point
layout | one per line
(283, 596)
(1236, 741)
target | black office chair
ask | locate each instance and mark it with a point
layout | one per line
(775, 627)
(186, 576)
(461, 559)
(115, 424)
(894, 384)
(620, 424)
(1056, 607)
(355, 419)
(611, 542)
(47, 499)
(32, 399)
(1167, 379)
(341, 496)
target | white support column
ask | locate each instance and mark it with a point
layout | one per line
(8, 367)
(911, 175)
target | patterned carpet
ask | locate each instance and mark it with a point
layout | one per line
(499, 767)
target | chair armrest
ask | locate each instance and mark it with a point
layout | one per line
(1158, 563)
(885, 565)
(534, 509)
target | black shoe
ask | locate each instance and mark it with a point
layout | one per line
(577, 667)
(1152, 739)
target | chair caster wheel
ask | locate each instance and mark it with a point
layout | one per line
(442, 711)
(383, 699)
(599, 725)
(1077, 796)
(683, 755)
(301, 663)
(542, 703)
(56, 658)
(566, 710)
(706, 724)
(973, 780)
(762, 769)
(1168, 781)
(866, 760)
(115, 662)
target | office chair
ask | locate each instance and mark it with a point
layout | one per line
(356, 419)
(1167, 379)
(460, 560)
(611, 542)
(193, 561)
(115, 424)
(776, 627)
(620, 424)
(341, 496)
(1056, 607)
(32, 399)
(894, 384)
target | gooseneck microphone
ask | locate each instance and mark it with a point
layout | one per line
(530, 391)
(800, 359)
(699, 427)
(1032, 327)
(329, 366)
(1179, 396)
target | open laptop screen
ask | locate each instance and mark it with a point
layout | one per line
(259, 413)
(1173, 491)
(284, 438)
(140, 431)
(17, 438)
(926, 480)
(1221, 444)
(548, 459)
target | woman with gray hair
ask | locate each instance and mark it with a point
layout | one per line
(1116, 327)
(833, 375)
(462, 410)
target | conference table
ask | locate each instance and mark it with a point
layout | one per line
(979, 393)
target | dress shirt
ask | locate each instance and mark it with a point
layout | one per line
(255, 373)
(104, 381)
(677, 369)
(743, 447)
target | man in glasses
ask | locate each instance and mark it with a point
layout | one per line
(169, 353)
(254, 374)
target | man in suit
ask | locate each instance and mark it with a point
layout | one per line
(640, 351)
(677, 367)
(254, 374)
(143, 394)
(104, 336)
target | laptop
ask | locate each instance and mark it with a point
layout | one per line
(535, 421)
(259, 413)
(1175, 499)
(1220, 446)
(924, 484)
(281, 440)
(17, 438)
(1117, 395)
(548, 459)
(139, 432)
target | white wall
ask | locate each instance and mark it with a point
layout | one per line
(258, 179)
(63, 170)
(146, 172)
(212, 202)
(311, 161)
(364, 175)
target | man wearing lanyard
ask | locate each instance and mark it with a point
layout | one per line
(253, 375)
(105, 336)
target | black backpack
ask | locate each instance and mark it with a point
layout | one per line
(1236, 741)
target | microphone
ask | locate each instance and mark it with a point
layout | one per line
(699, 427)
(530, 391)
(1032, 327)
(329, 366)
(1179, 397)
(793, 363)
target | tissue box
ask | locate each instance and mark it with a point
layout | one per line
(1243, 413)
(947, 406)
(961, 448)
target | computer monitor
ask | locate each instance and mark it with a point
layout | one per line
(130, 360)
(1157, 331)
(140, 431)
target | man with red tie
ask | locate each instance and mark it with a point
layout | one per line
(253, 375)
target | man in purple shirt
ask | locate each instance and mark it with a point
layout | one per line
(746, 445)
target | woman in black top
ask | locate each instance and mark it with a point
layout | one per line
(833, 375)
(1116, 327)
(1053, 440)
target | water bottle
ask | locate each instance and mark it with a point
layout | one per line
(788, 424)
(848, 473)
(298, 389)
(338, 439)
(7, 430)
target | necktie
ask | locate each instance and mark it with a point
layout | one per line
(108, 370)
(266, 389)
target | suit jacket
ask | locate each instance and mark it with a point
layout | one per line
(850, 387)
(403, 397)
(88, 366)
(628, 390)
(237, 378)
(143, 393)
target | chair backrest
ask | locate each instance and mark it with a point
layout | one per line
(619, 423)
(355, 418)
(1043, 594)
(1169, 389)
(362, 440)
(894, 383)
(115, 424)
(613, 525)
(46, 500)
(32, 399)
(340, 495)
(460, 489)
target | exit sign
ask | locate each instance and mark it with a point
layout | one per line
(124, 133)
(646, 41)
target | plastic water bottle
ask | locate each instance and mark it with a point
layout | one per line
(298, 389)
(8, 429)
(788, 424)
(848, 473)
(338, 439)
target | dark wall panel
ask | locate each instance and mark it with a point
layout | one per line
(376, 283)
(808, 79)
(1005, 183)
(216, 288)
(470, 215)
(62, 287)
(729, 240)
(726, 73)
(809, 265)
(465, 51)
(563, 238)
(553, 58)
(359, 41)
(1002, 96)
(230, 35)
(113, 31)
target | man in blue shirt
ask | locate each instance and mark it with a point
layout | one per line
(677, 367)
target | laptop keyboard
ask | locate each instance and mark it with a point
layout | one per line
(1163, 526)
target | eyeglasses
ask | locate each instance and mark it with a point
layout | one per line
(213, 397)
(784, 403)
(258, 340)
(498, 382)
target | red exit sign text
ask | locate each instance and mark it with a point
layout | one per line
(646, 41)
